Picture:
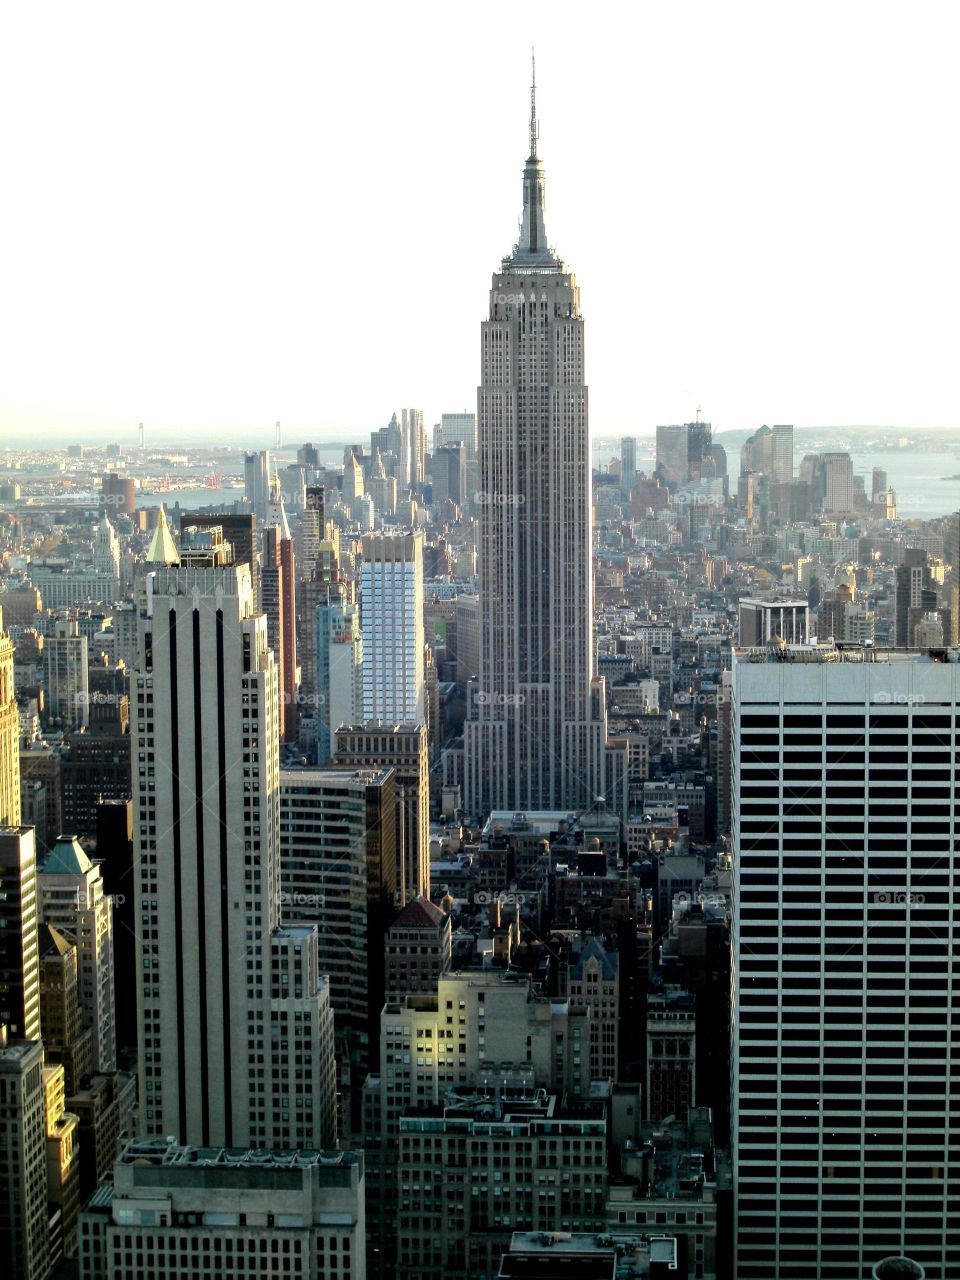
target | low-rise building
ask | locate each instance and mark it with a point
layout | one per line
(211, 1212)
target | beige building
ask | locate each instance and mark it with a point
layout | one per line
(485, 1162)
(235, 1025)
(71, 899)
(63, 1156)
(207, 1213)
(478, 1025)
(9, 737)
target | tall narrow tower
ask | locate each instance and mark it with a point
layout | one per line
(229, 999)
(532, 739)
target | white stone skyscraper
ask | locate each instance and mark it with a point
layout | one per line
(535, 734)
(235, 1026)
(391, 614)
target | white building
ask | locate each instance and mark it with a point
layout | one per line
(845, 1103)
(235, 1027)
(106, 551)
(71, 898)
(782, 454)
(256, 483)
(535, 737)
(456, 428)
(391, 609)
(214, 1212)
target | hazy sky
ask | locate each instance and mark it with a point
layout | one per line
(218, 215)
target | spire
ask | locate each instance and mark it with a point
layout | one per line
(534, 128)
(532, 252)
(162, 547)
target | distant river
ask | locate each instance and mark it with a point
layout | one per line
(919, 476)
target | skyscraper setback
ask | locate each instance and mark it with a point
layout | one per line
(533, 740)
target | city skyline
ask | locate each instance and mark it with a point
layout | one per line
(206, 268)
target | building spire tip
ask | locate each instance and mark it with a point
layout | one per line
(534, 129)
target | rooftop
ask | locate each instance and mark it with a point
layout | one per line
(775, 653)
(164, 1151)
(66, 858)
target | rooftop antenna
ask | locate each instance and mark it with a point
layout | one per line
(140, 433)
(278, 435)
(534, 127)
(699, 411)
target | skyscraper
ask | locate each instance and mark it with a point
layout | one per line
(19, 947)
(278, 601)
(403, 748)
(229, 1000)
(838, 483)
(782, 454)
(72, 900)
(456, 428)
(628, 465)
(533, 739)
(24, 1225)
(65, 662)
(339, 870)
(256, 483)
(9, 736)
(414, 445)
(339, 667)
(844, 1056)
(391, 613)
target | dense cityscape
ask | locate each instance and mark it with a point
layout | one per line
(482, 849)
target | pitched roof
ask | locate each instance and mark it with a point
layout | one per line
(420, 913)
(609, 961)
(162, 547)
(66, 858)
(52, 941)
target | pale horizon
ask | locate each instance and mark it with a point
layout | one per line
(219, 217)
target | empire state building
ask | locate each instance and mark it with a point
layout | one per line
(535, 732)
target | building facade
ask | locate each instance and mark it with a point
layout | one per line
(533, 739)
(177, 1211)
(235, 1027)
(844, 1033)
(391, 610)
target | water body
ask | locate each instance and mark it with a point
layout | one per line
(926, 481)
(920, 477)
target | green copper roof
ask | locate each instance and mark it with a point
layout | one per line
(66, 858)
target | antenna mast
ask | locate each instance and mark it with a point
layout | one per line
(534, 127)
